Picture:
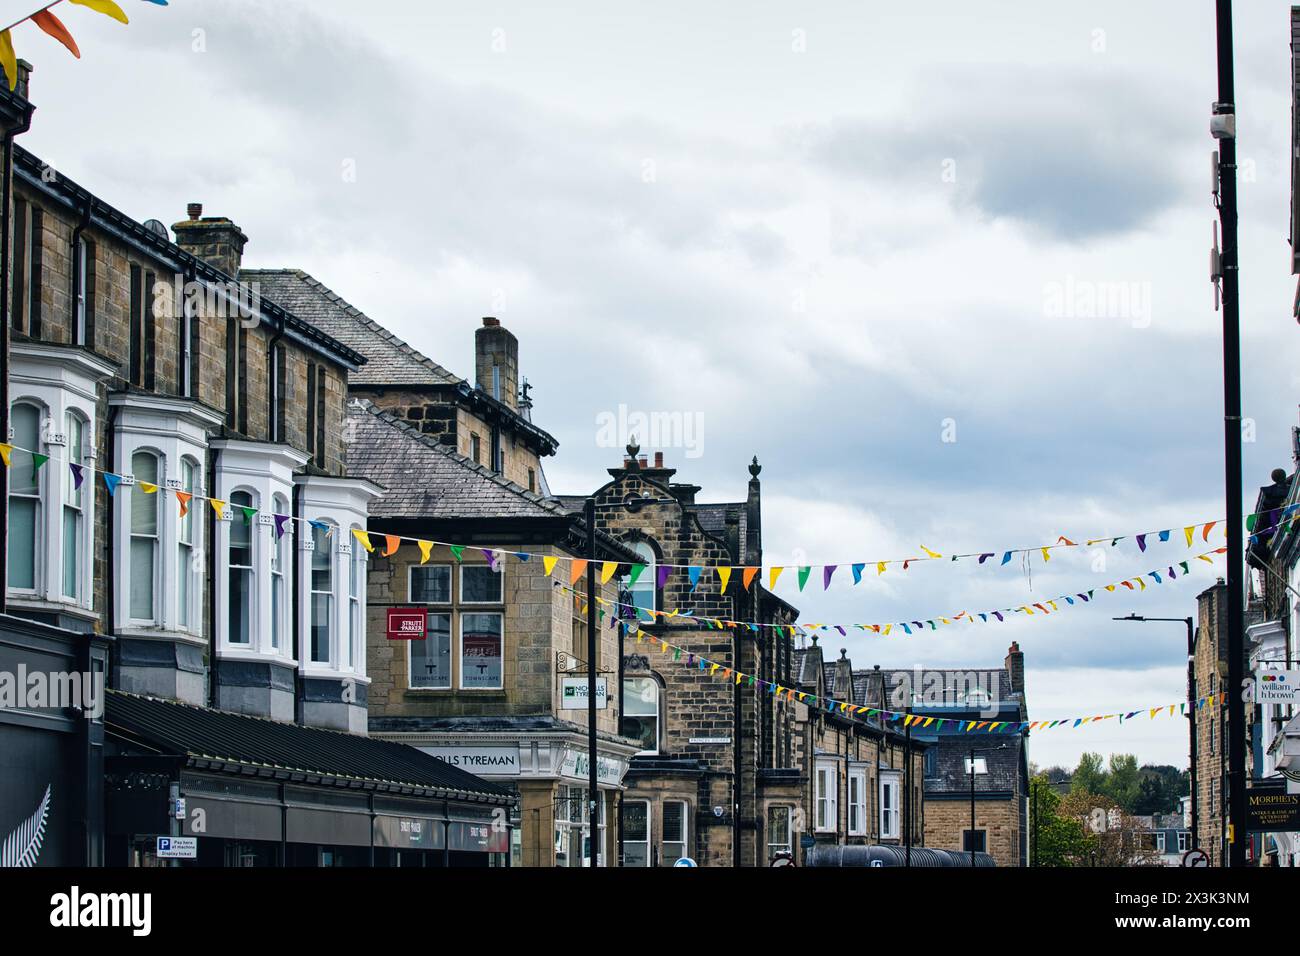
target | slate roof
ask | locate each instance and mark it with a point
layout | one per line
(951, 750)
(423, 478)
(713, 519)
(215, 735)
(953, 677)
(389, 360)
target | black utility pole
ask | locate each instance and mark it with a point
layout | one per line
(1190, 624)
(593, 796)
(907, 783)
(972, 807)
(1223, 127)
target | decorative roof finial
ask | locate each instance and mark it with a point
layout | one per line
(632, 448)
(754, 467)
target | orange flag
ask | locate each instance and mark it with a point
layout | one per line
(183, 499)
(748, 577)
(576, 567)
(55, 28)
(393, 542)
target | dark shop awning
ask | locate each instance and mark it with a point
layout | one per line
(223, 742)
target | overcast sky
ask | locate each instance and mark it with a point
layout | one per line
(830, 235)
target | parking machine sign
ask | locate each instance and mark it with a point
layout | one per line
(177, 848)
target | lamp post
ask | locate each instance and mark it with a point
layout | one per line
(1191, 705)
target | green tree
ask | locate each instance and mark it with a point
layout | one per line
(1055, 840)
(1089, 776)
(1123, 783)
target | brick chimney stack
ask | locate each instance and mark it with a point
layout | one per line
(1015, 665)
(496, 362)
(214, 239)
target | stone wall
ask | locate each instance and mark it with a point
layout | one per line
(947, 820)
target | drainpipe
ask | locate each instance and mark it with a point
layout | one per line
(6, 186)
(110, 549)
(297, 605)
(212, 577)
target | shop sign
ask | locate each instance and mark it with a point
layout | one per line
(501, 761)
(405, 624)
(573, 693)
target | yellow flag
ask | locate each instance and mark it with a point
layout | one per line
(576, 567)
(364, 538)
(930, 553)
(1046, 556)
(548, 563)
(5, 449)
(218, 506)
(772, 576)
(724, 575)
(425, 548)
(880, 567)
(147, 488)
(9, 60)
(888, 628)
(607, 571)
(107, 7)
(1187, 532)
(1110, 587)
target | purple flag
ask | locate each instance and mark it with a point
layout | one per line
(280, 521)
(76, 475)
(1142, 542)
(826, 575)
(661, 575)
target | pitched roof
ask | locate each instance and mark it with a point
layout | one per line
(423, 478)
(389, 360)
(216, 735)
(947, 772)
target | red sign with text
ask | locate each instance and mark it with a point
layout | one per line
(405, 624)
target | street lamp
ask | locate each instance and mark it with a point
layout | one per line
(1191, 703)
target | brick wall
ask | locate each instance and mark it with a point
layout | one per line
(947, 820)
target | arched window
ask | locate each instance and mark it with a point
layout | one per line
(144, 538)
(322, 593)
(641, 712)
(280, 506)
(24, 498)
(185, 571)
(241, 569)
(643, 591)
(73, 507)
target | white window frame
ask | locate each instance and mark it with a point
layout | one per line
(498, 570)
(76, 450)
(659, 709)
(857, 781)
(129, 491)
(649, 576)
(325, 549)
(646, 843)
(410, 583)
(786, 846)
(40, 542)
(175, 428)
(1184, 841)
(189, 581)
(826, 792)
(266, 472)
(891, 815)
(683, 808)
(342, 503)
(440, 611)
(281, 547)
(233, 525)
(58, 381)
(1160, 841)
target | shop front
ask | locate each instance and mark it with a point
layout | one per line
(285, 795)
(545, 762)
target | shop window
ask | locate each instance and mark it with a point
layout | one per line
(636, 833)
(676, 831)
(640, 720)
(826, 794)
(780, 837)
(480, 630)
(573, 831)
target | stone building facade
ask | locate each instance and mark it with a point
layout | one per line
(1210, 667)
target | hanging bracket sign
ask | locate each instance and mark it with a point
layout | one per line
(405, 624)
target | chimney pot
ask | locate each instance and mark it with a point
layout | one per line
(642, 461)
(659, 459)
(489, 322)
(194, 210)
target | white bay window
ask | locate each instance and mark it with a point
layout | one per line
(53, 391)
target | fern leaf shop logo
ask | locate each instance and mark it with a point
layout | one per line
(22, 847)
